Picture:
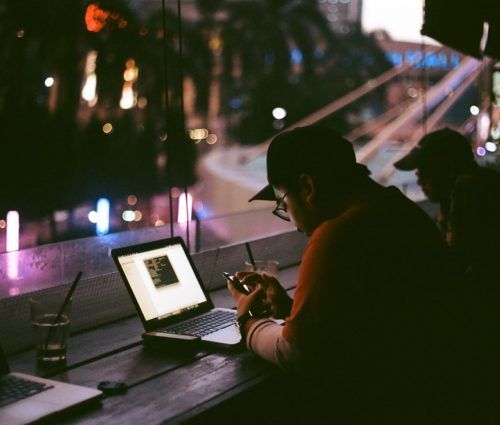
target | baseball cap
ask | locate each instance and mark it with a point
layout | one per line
(316, 150)
(438, 144)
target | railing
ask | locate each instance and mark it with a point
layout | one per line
(102, 298)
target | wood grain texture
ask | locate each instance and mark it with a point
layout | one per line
(163, 387)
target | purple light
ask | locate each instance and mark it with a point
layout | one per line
(13, 265)
(481, 151)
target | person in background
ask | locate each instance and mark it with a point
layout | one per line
(468, 195)
(370, 330)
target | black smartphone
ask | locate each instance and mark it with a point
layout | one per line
(244, 289)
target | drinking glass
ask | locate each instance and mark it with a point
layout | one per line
(51, 328)
(269, 267)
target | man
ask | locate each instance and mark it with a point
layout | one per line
(370, 313)
(469, 198)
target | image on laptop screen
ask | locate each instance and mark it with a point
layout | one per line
(162, 281)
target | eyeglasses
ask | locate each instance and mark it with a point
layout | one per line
(280, 211)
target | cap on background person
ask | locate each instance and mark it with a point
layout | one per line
(444, 143)
(315, 150)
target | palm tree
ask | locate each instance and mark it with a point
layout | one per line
(281, 53)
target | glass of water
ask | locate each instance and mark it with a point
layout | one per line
(269, 267)
(51, 329)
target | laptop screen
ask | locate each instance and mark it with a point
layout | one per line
(163, 281)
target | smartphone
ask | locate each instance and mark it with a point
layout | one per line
(244, 289)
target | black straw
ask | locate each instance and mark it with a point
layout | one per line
(250, 255)
(64, 304)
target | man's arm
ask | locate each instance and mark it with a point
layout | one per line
(264, 337)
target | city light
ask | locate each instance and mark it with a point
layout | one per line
(491, 147)
(137, 215)
(483, 126)
(89, 88)
(102, 226)
(211, 139)
(127, 100)
(93, 217)
(20, 34)
(184, 214)
(131, 72)
(412, 92)
(132, 199)
(49, 82)
(279, 113)
(97, 18)
(129, 97)
(89, 93)
(296, 56)
(61, 216)
(128, 215)
(107, 128)
(12, 231)
(3, 224)
(198, 133)
(474, 110)
(481, 151)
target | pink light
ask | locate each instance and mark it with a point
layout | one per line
(14, 291)
(12, 231)
(184, 216)
(13, 265)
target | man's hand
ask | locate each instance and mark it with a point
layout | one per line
(275, 298)
(245, 303)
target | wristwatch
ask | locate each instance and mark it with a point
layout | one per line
(245, 317)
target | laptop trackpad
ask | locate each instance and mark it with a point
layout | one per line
(226, 336)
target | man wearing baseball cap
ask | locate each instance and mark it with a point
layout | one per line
(468, 195)
(363, 323)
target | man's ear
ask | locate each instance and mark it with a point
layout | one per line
(308, 188)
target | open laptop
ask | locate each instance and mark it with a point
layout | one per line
(169, 295)
(25, 398)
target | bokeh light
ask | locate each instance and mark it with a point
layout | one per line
(107, 128)
(279, 113)
(474, 110)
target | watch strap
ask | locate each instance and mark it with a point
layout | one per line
(244, 318)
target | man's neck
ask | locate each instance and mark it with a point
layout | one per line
(359, 194)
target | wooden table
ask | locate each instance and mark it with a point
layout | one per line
(163, 387)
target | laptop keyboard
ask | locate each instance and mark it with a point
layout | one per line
(14, 389)
(205, 324)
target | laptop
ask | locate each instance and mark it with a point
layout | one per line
(169, 295)
(25, 398)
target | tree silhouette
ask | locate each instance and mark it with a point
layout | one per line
(58, 155)
(282, 53)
